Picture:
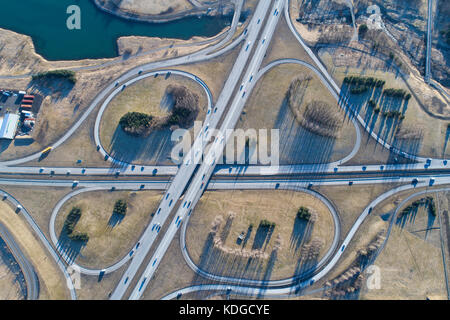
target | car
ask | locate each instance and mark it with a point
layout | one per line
(414, 181)
(432, 180)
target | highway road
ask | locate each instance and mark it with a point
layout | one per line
(31, 279)
(194, 155)
(429, 42)
(206, 168)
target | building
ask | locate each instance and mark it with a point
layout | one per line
(8, 126)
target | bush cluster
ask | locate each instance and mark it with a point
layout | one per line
(120, 207)
(303, 213)
(70, 223)
(394, 114)
(267, 224)
(135, 123)
(364, 81)
(183, 114)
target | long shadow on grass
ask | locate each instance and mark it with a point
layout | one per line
(151, 150)
(69, 247)
(298, 145)
(301, 233)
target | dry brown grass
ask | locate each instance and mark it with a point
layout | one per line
(410, 269)
(51, 281)
(9, 287)
(147, 96)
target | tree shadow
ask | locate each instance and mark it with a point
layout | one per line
(70, 248)
(301, 233)
(153, 149)
(115, 219)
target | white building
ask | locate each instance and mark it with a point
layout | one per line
(8, 126)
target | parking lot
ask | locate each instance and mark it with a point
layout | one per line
(11, 102)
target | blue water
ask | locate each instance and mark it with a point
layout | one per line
(45, 22)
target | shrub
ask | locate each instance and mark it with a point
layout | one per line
(136, 123)
(120, 207)
(267, 224)
(56, 74)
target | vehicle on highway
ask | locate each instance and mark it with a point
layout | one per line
(46, 150)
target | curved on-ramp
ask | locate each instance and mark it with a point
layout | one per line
(269, 283)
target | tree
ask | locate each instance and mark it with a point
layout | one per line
(303, 213)
(362, 30)
(120, 207)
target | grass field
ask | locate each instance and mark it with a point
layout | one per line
(146, 96)
(110, 236)
(250, 208)
(267, 108)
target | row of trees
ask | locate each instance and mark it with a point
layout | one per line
(427, 201)
(366, 81)
(70, 223)
(304, 213)
(359, 85)
(397, 93)
(56, 74)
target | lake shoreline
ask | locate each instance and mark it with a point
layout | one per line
(111, 9)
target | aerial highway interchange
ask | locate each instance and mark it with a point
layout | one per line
(200, 171)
